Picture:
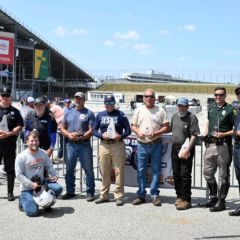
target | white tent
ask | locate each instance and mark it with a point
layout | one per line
(170, 97)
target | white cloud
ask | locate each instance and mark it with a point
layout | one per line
(130, 35)
(230, 52)
(182, 59)
(79, 31)
(108, 43)
(190, 28)
(142, 48)
(164, 32)
(60, 31)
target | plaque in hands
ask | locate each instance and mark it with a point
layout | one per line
(111, 130)
(4, 124)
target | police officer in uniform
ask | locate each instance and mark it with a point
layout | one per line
(236, 150)
(10, 126)
(218, 154)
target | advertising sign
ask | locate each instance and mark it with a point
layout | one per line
(166, 177)
(6, 48)
(41, 64)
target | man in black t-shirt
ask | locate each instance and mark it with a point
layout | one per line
(184, 126)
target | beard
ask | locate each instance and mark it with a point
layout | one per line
(182, 114)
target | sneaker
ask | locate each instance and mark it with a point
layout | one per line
(178, 201)
(138, 201)
(101, 200)
(90, 198)
(184, 205)
(119, 202)
(156, 201)
(67, 196)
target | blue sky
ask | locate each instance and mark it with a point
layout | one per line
(182, 37)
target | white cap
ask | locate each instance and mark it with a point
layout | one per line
(30, 100)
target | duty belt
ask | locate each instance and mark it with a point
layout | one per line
(152, 142)
(78, 142)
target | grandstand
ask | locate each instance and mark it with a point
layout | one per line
(63, 75)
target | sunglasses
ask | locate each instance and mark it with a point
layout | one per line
(5, 95)
(109, 103)
(149, 96)
(219, 95)
(238, 93)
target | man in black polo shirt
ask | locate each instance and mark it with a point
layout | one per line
(11, 124)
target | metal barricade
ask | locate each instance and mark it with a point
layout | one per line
(198, 181)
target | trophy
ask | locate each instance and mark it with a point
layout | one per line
(4, 124)
(111, 130)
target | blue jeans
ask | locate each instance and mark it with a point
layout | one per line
(146, 153)
(28, 204)
(83, 151)
(236, 151)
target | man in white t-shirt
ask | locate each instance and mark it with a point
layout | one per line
(149, 122)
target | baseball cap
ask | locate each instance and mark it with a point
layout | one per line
(79, 94)
(30, 100)
(109, 99)
(5, 91)
(66, 100)
(182, 101)
(237, 88)
(39, 100)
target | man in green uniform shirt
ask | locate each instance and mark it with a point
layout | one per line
(218, 154)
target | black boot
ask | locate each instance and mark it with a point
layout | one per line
(236, 212)
(10, 183)
(220, 205)
(213, 196)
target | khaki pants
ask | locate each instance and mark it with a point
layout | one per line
(112, 156)
(217, 156)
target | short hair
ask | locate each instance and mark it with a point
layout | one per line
(149, 89)
(220, 88)
(33, 133)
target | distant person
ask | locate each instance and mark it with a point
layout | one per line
(184, 125)
(218, 154)
(30, 165)
(114, 127)
(77, 129)
(27, 110)
(57, 113)
(236, 150)
(132, 104)
(67, 104)
(149, 122)
(11, 124)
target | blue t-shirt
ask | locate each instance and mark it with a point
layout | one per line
(78, 120)
(103, 119)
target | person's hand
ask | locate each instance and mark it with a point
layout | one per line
(53, 179)
(73, 136)
(3, 134)
(219, 135)
(35, 186)
(117, 137)
(140, 134)
(237, 133)
(105, 136)
(184, 154)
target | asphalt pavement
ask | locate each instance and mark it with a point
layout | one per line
(79, 219)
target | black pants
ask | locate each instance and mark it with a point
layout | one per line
(182, 174)
(8, 154)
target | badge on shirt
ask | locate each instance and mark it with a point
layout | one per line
(224, 113)
(82, 116)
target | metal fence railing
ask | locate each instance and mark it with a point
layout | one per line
(198, 181)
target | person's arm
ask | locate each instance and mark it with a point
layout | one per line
(164, 129)
(127, 129)
(137, 131)
(96, 126)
